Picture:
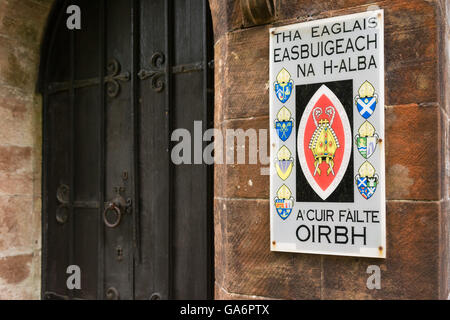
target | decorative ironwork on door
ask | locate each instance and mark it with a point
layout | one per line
(155, 72)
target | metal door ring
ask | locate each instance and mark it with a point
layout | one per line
(63, 194)
(62, 214)
(112, 206)
(112, 294)
(155, 296)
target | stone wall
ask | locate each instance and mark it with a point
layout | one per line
(417, 157)
(445, 118)
(22, 23)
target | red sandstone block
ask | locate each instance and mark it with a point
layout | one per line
(22, 20)
(16, 227)
(447, 160)
(243, 180)
(247, 73)
(14, 102)
(15, 269)
(404, 47)
(17, 65)
(16, 118)
(444, 245)
(251, 268)
(219, 242)
(227, 15)
(444, 174)
(220, 86)
(221, 294)
(411, 270)
(412, 83)
(412, 152)
(15, 159)
(16, 184)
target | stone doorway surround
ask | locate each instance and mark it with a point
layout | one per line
(22, 25)
(417, 156)
(417, 122)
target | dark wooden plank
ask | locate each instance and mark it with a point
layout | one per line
(152, 275)
(118, 147)
(191, 223)
(53, 150)
(58, 172)
(87, 59)
(188, 32)
(101, 152)
(86, 187)
(85, 251)
(190, 197)
(87, 120)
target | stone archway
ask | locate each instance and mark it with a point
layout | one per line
(22, 25)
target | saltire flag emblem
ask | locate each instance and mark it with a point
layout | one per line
(284, 86)
(366, 106)
(367, 180)
(366, 101)
(284, 124)
(284, 202)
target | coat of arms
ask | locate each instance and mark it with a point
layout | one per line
(366, 101)
(284, 86)
(366, 140)
(324, 142)
(284, 124)
(284, 163)
(367, 180)
(284, 202)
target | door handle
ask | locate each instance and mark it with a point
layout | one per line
(116, 206)
(111, 206)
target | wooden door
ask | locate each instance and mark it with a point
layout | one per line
(113, 203)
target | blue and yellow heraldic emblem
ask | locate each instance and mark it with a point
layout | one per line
(283, 86)
(284, 124)
(367, 180)
(284, 202)
(366, 101)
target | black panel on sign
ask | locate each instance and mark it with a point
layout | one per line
(345, 190)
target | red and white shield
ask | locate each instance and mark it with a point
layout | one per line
(324, 142)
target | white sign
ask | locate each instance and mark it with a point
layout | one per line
(327, 184)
